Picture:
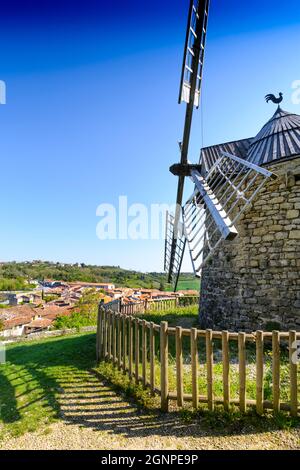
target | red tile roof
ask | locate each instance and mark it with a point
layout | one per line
(40, 323)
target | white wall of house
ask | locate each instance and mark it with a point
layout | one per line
(15, 331)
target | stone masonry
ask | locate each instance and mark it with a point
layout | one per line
(254, 282)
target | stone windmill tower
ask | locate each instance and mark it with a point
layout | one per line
(242, 222)
(254, 281)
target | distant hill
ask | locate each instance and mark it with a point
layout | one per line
(18, 272)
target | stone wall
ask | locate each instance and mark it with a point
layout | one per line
(49, 334)
(254, 282)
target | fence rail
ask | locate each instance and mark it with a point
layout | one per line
(141, 349)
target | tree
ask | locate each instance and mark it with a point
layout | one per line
(162, 287)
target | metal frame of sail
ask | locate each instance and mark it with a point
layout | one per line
(189, 53)
(219, 201)
(179, 252)
(202, 10)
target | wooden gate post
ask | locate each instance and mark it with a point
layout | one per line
(293, 374)
(164, 352)
(194, 360)
(179, 366)
(259, 372)
(276, 370)
(226, 369)
(242, 371)
(209, 366)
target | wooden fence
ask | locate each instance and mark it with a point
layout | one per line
(139, 348)
(150, 305)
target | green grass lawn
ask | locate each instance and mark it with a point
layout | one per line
(31, 380)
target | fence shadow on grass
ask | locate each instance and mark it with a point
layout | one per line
(58, 375)
(100, 407)
(31, 377)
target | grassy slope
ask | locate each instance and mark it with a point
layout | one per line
(30, 381)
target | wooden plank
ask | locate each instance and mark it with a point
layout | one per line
(137, 350)
(109, 329)
(104, 335)
(276, 371)
(124, 343)
(144, 353)
(119, 341)
(293, 373)
(259, 372)
(209, 366)
(98, 337)
(194, 361)
(179, 366)
(130, 347)
(226, 369)
(242, 372)
(164, 379)
(113, 337)
(152, 358)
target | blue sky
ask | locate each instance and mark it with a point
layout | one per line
(92, 111)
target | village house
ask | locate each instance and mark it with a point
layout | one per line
(94, 285)
(17, 298)
(24, 319)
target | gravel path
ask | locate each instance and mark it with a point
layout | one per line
(95, 417)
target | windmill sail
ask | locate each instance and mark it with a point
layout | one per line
(220, 198)
(194, 50)
(190, 89)
(174, 255)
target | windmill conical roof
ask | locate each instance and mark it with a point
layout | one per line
(278, 139)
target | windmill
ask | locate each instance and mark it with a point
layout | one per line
(223, 188)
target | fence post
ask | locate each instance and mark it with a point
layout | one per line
(226, 369)
(242, 371)
(293, 374)
(109, 319)
(259, 372)
(137, 350)
(130, 351)
(179, 366)
(114, 339)
(276, 371)
(119, 341)
(98, 337)
(152, 358)
(194, 359)
(124, 343)
(164, 366)
(144, 353)
(209, 365)
(104, 334)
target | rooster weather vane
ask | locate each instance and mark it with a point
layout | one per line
(274, 99)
